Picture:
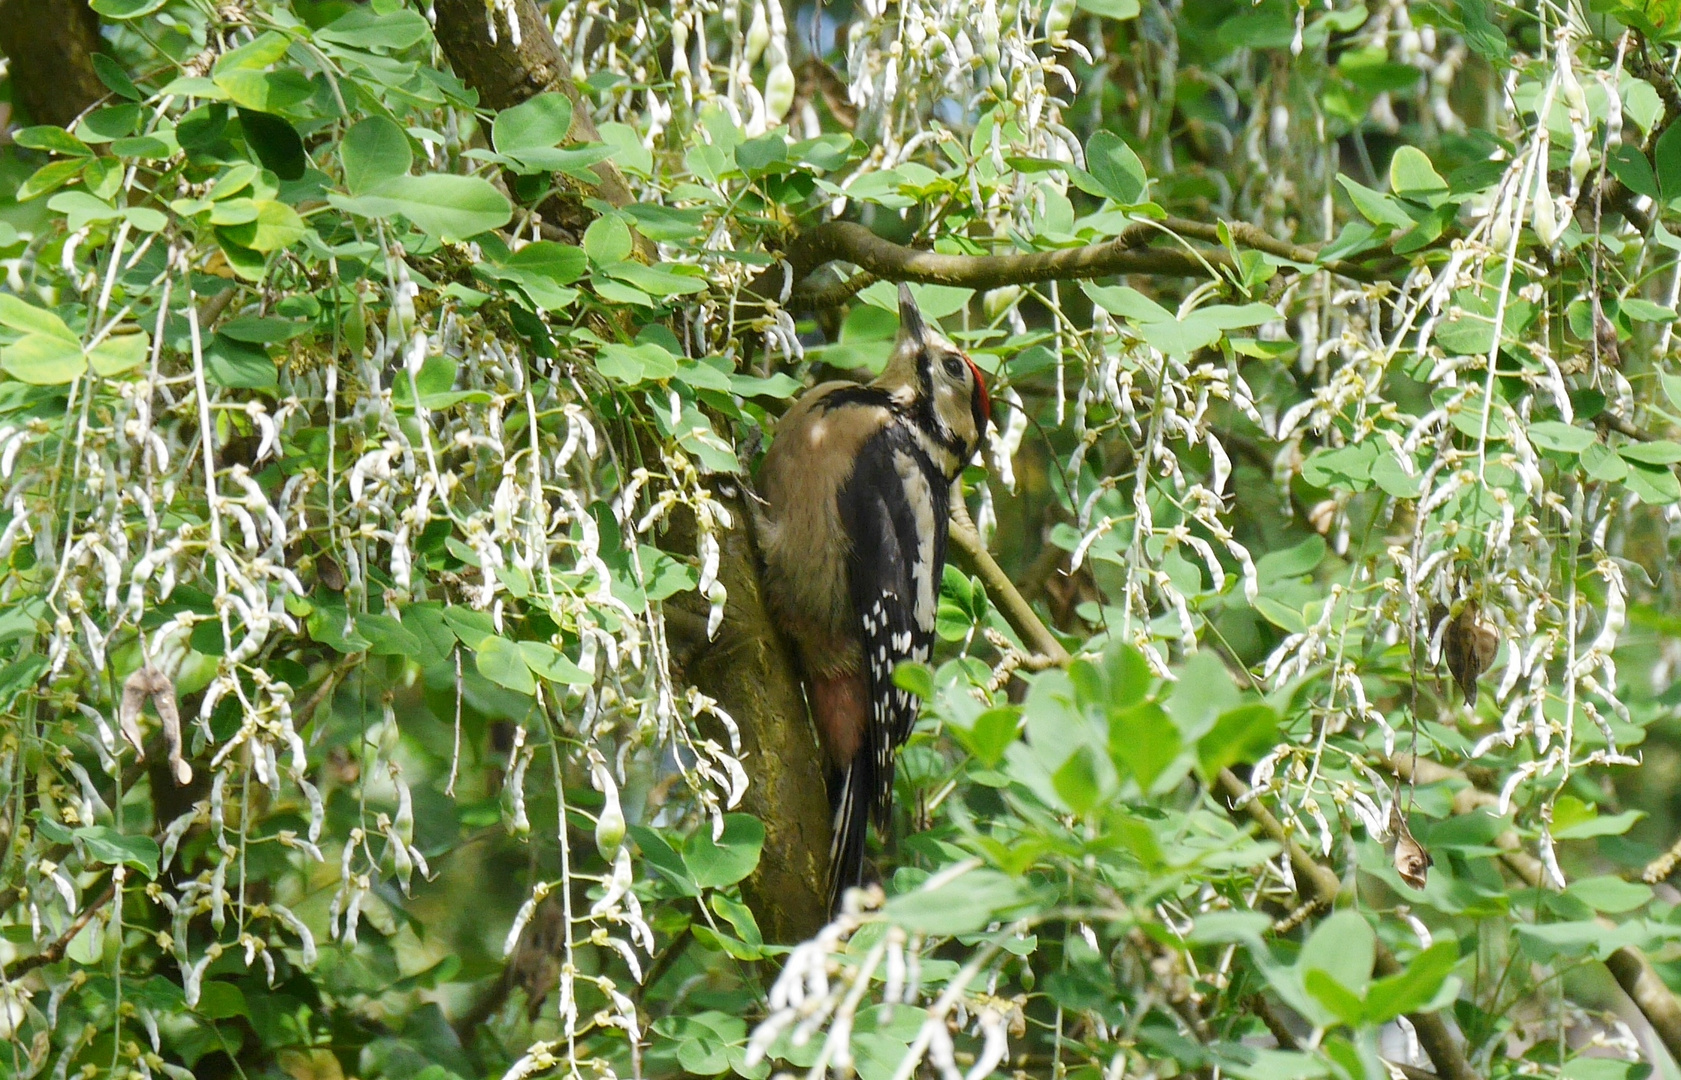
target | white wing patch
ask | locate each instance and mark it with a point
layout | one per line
(921, 500)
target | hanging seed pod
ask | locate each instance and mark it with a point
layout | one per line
(1468, 647)
(779, 91)
(758, 35)
(1412, 862)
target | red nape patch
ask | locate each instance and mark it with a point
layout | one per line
(841, 706)
(980, 387)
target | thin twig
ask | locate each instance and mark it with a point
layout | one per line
(54, 952)
(973, 556)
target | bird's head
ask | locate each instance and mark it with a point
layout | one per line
(936, 381)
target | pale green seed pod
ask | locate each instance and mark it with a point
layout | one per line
(779, 91)
(758, 35)
(997, 301)
(1058, 18)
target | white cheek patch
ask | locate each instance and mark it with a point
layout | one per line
(921, 500)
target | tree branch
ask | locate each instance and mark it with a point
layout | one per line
(54, 952)
(973, 556)
(850, 242)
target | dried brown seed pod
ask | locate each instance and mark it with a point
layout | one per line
(149, 682)
(1412, 862)
(1468, 646)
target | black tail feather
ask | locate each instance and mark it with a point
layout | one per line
(853, 795)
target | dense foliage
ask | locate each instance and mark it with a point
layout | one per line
(370, 474)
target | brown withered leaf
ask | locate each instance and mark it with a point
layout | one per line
(1468, 647)
(1412, 862)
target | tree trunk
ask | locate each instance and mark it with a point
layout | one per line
(50, 45)
(505, 74)
(746, 669)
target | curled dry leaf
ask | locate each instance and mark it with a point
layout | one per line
(1468, 646)
(1412, 862)
(149, 682)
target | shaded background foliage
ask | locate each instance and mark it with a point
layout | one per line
(386, 687)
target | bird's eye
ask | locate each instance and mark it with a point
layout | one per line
(953, 365)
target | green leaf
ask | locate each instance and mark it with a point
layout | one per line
(1603, 463)
(1144, 741)
(503, 663)
(21, 315)
(125, 9)
(49, 177)
(735, 854)
(1656, 452)
(1117, 168)
(1243, 734)
(1666, 162)
(109, 846)
(962, 905)
(607, 240)
(218, 1000)
(52, 139)
(239, 365)
(1343, 947)
(550, 663)
(1610, 895)
(1556, 435)
(43, 360)
(1628, 164)
(1654, 486)
(1412, 989)
(254, 55)
(278, 227)
(1608, 825)
(112, 74)
(373, 151)
(761, 156)
(1412, 175)
(991, 734)
(1342, 1003)
(538, 123)
(263, 330)
(674, 279)
(366, 28)
(1374, 206)
(1639, 310)
(1119, 10)
(439, 204)
(276, 143)
(633, 364)
(81, 209)
(265, 91)
(119, 353)
(469, 625)
(562, 263)
(1078, 781)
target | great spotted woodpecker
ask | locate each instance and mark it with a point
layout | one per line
(853, 533)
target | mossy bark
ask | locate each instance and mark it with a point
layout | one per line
(748, 670)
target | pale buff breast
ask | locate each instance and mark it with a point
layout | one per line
(805, 545)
